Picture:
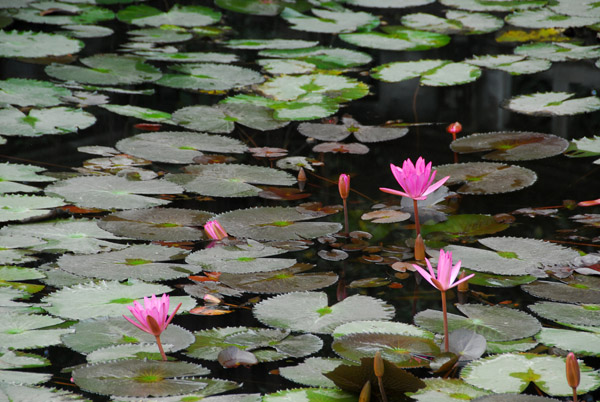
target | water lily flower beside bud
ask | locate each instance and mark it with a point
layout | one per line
(573, 374)
(153, 317)
(444, 280)
(344, 189)
(214, 230)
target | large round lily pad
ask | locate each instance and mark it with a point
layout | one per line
(552, 104)
(585, 315)
(562, 292)
(431, 72)
(210, 77)
(36, 44)
(511, 146)
(275, 223)
(38, 122)
(486, 177)
(330, 132)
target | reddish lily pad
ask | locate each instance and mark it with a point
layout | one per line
(511, 146)
(338, 147)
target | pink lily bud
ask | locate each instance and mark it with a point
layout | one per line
(214, 230)
(344, 186)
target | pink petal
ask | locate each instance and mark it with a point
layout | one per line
(466, 278)
(424, 274)
(143, 328)
(395, 192)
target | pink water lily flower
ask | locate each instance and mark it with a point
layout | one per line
(153, 317)
(214, 230)
(446, 273)
(415, 180)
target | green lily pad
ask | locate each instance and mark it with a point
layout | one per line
(177, 146)
(64, 14)
(257, 7)
(189, 57)
(572, 315)
(84, 31)
(581, 343)
(139, 378)
(494, 5)
(79, 236)
(403, 351)
(520, 345)
(142, 113)
(26, 331)
(160, 35)
(185, 16)
(562, 292)
(266, 344)
(310, 371)
(104, 299)
(14, 273)
(25, 92)
(165, 224)
(464, 227)
(455, 22)
(499, 281)
(552, 104)
(223, 180)
(19, 207)
(398, 39)
(136, 261)
(106, 69)
(432, 72)
(292, 279)
(368, 134)
(274, 223)
(486, 177)
(307, 107)
(112, 192)
(240, 258)
(511, 146)
(310, 395)
(495, 323)
(446, 390)
(292, 88)
(259, 44)
(546, 18)
(10, 360)
(309, 312)
(558, 51)
(328, 21)
(36, 44)
(380, 327)
(99, 333)
(512, 256)
(584, 147)
(210, 77)
(512, 373)
(325, 58)
(286, 67)
(582, 8)
(147, 351)
(511, 63)
(10, 391)
(11, 173)
(38, 122)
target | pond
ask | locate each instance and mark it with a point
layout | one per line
(128, 126)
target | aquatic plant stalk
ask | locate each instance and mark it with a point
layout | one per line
(153, 317)
(379, 370)
(445, 279)
(344, 189)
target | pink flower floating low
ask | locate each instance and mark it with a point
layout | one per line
(444, 280)
(153, 317)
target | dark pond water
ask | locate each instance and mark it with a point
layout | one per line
(426, 109)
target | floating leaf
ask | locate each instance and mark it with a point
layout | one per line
(587, 315)
(380, 327)
(11, 360)
(106, 69)
(584, 147)
(494, 5)
(403, 351)
(325, 58)
(26, 331)
(112, 192)
(129, 351)
(87, 31)
(468, 345)
(177, 146)
(512, 64)
(160, 35)
(155, 116)
(223, 180)
(291, 279)
(486, 177)
(25, 92)
(500, 281)
(13, 273)
(513, 372)
(552, 104)
(455, 22)
(310, 395)
(310, 371)
(520, 345)
(579, 8)
(432, 72)
(139, 378)
(167, 224)
(398, 39)
(558, 51)
(581, 343)
(19, 392)
(20, 207)
(368, 134)
(446, 390)
(38, 122)
(308, 107)
(266, 344)
(385, 216)
(260, 44)
(327, 21)
(275, 223)
(103, 299)
(546, 18)
(495, 323)
(63, 14)
(309, 312)
(210, 77)
(464, 227)
(137, 262)
(36, 44)
(79, 236)
(562, 292)
(10, 173)
(189, 57)
(185, 16)
(512, 256)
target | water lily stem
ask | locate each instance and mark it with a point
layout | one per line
(382, 390)
(160, 348)
(346, 226)
(417, 224)
(574, 394)
(445, 313)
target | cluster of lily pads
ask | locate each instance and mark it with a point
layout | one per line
(78, 247)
